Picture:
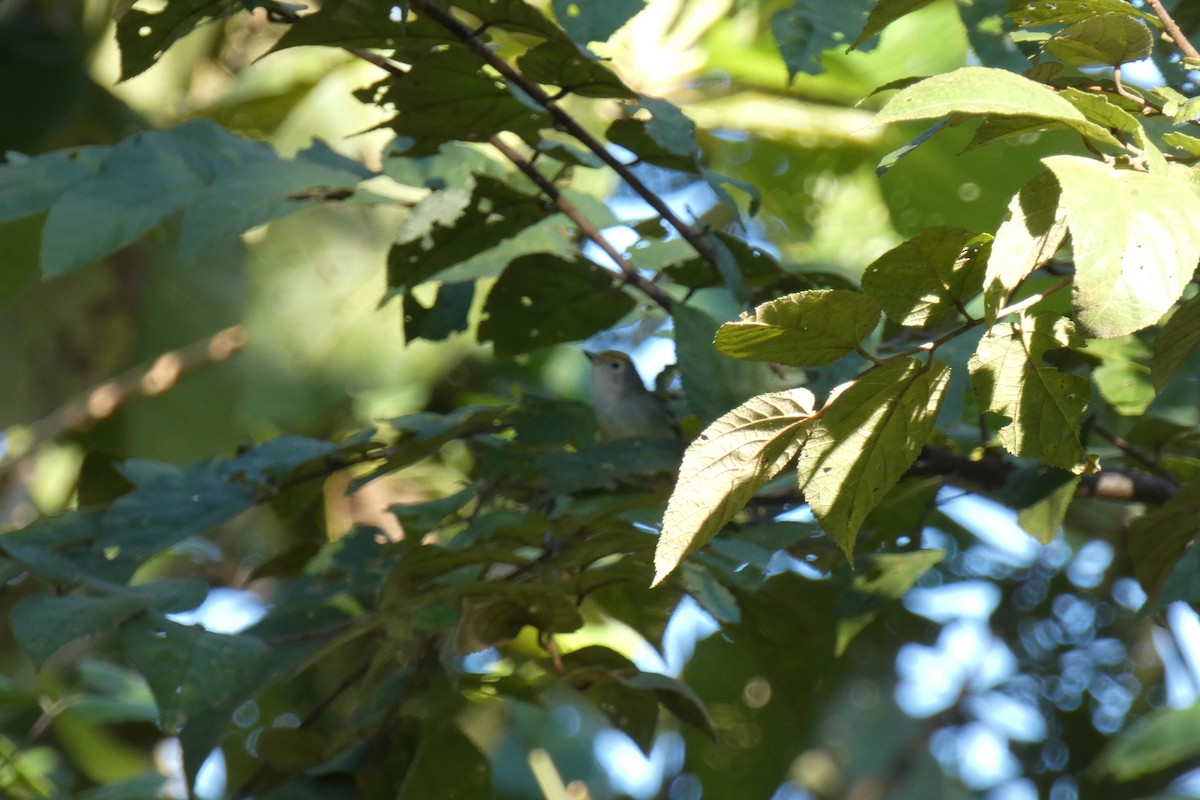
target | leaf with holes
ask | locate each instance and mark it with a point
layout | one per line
(541, 300)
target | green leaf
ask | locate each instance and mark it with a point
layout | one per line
(447, 315)
(446, 229)
(1103, 111)
(594, 22)
(446, 764)
(189, 669)
(1182, 141)
(667, 139)
(1158, 539)
(1177, 339)
(1036, 13)
(263, 190)
(447, 96)
(928, 280)
(44, 624)
(879, 579)
(1044, 406)
(603, 464)
(1041, 495)
(983, 90)
(171, 504)
(29, 186)
(810, 27)
(1123, 378)
(1136, 239)
(1165, 738)
(573, 71)
(140, 182)
(805, 329)
(290, 750)
(884, 13)
(723, 468)
(541, 300)
(143, 37)
(517, 16)
(710, 593)
(1028, 239)
(869, 433)
(1102, 40)
(712, 383)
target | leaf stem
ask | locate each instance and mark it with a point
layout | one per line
(568, 123)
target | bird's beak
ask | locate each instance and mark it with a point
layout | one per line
(591, 356)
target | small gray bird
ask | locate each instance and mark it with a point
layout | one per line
(624, 407)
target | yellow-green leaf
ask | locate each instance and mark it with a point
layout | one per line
(1034, 230)
(725, 466)
(929, 279)
(1044, 406)
(867, 436)
(1136, 239)
(983, 90)
(805, 329)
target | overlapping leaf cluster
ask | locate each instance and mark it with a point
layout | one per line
(1004, 348)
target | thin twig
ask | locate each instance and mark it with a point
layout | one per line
(567, 123)
(1133, 454)
(1173, 30)
(629, 273)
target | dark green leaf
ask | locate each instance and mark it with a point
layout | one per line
(594, 22)
(573, 71)
(448, 228)
(447, 315)
(446, 764)
(884, 13)
(44, 624)
(712, 383)
(541, 300)
(143, 37)
(1177, 339)
(1159, 538)
(189, 669)
(810, 27)
(879, 579)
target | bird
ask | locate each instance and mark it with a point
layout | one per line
(625, 409)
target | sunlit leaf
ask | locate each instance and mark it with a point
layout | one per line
(1136, 239)
(725, 466)
(928, 280)
(1028, 239)
(865, 439)
(802, 329)
(1044, 406)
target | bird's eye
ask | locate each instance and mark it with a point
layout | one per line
(615, 364)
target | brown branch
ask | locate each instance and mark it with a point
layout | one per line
(142, 381)
(567, 123)
(1133, 454)
(629, 273)
(1177, 36)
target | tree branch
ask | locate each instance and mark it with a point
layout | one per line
(1173, 30)
(629, 273)
(564, 120)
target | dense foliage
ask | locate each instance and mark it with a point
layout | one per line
(449, 579)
